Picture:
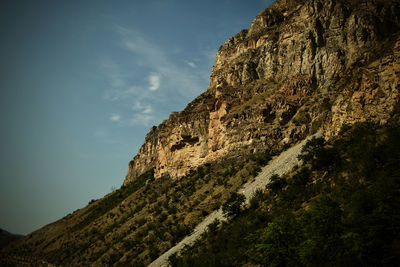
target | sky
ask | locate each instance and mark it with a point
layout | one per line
(81, 84)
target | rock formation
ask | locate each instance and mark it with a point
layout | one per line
(301, 66)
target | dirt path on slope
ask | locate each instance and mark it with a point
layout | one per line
(279, 165)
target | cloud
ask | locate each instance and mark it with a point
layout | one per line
(185, 83)
(118, 93)
(154, 81)
(143, 114)
(147, 110)
(142, 119)
(118, 82)
(115, 77)
(115, 117)
(136, 43)
(138, 80)
(138, 106)
(191, 64)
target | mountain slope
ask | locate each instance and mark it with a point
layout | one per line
(278, 166)
(341, 208)
(301, 67)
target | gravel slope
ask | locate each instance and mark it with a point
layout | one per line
(279, 165)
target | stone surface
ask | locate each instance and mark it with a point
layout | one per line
(300, 67)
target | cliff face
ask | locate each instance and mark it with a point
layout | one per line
(300, 67)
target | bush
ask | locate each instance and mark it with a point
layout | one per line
(213, 227)
(278, 242)
(257, 198)
(276, 184)
(233, 205)
(319, 155)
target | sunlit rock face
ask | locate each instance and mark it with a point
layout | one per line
(302, 66)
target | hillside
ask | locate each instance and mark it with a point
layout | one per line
(302, 67)
(279, 165)
(341, 208)
(6, 237)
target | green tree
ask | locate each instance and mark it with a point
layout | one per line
(276, 184)
(233, 205)
(322, 230)
(277, 243)
(213, 227)
(318, 155)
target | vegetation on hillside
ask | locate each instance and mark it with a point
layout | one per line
(340, 208)
(136, 223)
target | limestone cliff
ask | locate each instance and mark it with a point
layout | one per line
(303, 65)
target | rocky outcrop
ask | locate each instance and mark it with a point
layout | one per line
(301, 66)
(176, 144)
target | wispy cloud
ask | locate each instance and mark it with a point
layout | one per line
(191, 64)
(115, 77)
(138, 106)
(147, 110)
(115, 117)
(151, 78)
(118, 80)
(142, 119)
(185, 82)
(143, 114)
(154, 81)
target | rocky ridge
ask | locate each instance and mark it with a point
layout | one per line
(300, 67)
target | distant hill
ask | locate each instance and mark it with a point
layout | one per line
(7, 237)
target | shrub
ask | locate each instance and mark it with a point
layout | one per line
(319, 155)
(213, 227)
(233, 205)
(276, 184)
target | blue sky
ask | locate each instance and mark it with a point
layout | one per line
(81, 84)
